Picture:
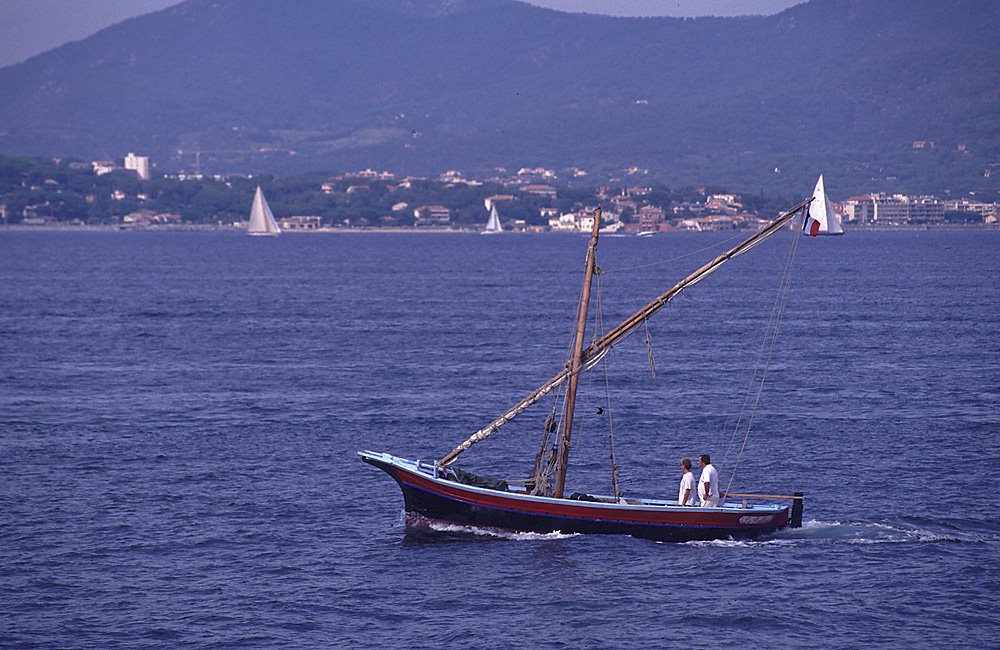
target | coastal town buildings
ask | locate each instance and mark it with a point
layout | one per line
(564, 223)
(102, 167)
(985, 210)
(367, 174)
(651, 217)
(138, 164)
(147, 218)
(859, 209)
(893, 209)
(498, 199)
(536, 173)
(432, 215)
(546, 191)
(723, 203)
(530, 197)
(624, 204)
(300, 223)
(712, 223)
(583, 221)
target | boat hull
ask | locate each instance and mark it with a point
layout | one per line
(446, 500)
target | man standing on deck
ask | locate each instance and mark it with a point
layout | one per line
(685, 497)
(708, 484)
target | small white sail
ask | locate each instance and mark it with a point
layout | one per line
(262, 223)
(493, 225)
(822, 220)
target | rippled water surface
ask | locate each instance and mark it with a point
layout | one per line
(180, 415)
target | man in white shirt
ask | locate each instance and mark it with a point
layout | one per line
(708, 484)
(685, 497)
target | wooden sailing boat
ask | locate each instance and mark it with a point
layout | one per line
(262, 223)
(438, 490)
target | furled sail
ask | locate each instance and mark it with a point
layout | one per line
(822, 220)
(262, 221)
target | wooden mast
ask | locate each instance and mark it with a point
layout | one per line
(576, 362)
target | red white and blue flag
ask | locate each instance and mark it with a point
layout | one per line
(811, 225)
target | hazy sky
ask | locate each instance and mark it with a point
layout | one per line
(30, 27)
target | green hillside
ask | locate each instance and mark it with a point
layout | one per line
(891, 95)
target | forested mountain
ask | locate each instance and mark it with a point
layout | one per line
(878, 94)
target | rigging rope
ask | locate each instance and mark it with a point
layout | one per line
(649, 349)
(548, 452)
(678, 258)
(761, 364)
(612, 456)
(769, 332)
(734, 399)
(752, 358)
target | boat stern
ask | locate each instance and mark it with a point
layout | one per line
(795, 520)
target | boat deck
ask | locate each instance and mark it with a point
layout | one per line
(437, 474)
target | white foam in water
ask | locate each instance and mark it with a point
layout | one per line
(889, 534)
(482, 531)
(742, 543)
(723, 543)
(861, 532)
(778, 538)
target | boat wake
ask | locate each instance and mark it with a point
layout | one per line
(813, 531)
(854, 532)
(865, 532)
(437, 528)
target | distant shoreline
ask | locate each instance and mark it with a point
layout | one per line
(451, 231)
(226, 229)
(922, 227)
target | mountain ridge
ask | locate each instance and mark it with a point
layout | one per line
(419, 86)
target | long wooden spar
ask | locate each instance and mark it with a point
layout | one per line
(598, 349)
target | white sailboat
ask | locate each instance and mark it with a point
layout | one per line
(821, 220)
(493, 225)
(262, 223)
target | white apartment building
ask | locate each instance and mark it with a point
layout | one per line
(897, 208)
(138, 164)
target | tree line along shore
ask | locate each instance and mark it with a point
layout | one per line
(56, 193)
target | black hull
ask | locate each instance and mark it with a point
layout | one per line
(434, 506)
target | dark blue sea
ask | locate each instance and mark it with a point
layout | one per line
(180, 415)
